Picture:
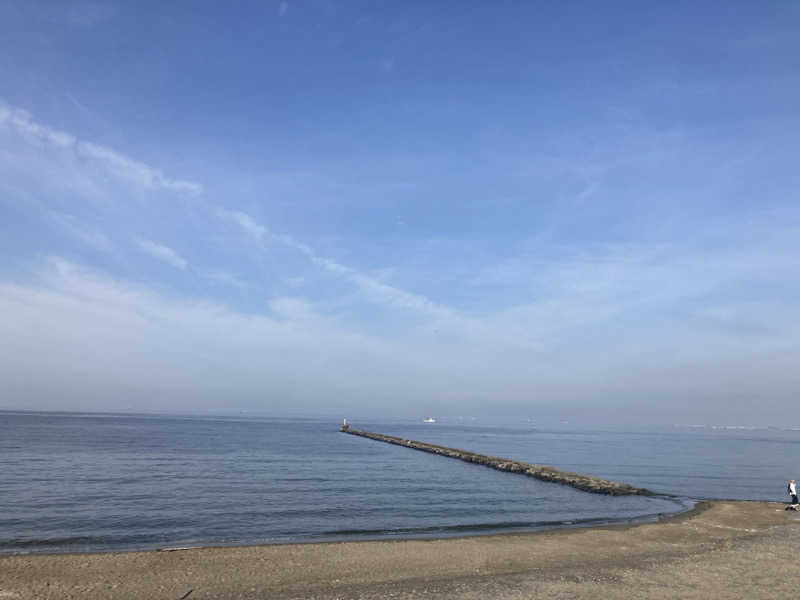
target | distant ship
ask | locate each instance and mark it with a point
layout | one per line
(429, 420)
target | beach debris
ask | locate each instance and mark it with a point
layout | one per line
(186, 595)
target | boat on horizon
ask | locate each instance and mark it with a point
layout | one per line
(429, 420)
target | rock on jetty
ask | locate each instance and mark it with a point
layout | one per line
(587, 483)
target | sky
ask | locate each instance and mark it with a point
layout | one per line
(535, 211)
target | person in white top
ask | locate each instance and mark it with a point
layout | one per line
(793, 491)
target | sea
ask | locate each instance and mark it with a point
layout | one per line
(105, 482)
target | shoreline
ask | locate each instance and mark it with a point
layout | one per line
(423, 534)
(716, 549)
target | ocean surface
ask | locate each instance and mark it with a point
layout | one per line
(90, 482)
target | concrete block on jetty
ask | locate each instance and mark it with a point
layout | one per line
(587, 483)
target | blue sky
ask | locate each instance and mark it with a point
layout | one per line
(547, 211)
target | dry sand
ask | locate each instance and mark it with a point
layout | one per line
(721, 550)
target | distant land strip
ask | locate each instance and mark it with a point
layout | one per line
(587, 483)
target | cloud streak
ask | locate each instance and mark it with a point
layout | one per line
(378, 291)
(112, 161)
(91, 237)
(144, 175)
(162, 253)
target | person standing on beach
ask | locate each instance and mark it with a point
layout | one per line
(792, 489)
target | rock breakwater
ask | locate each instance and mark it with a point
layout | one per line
(587, 483)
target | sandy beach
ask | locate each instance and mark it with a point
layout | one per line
(718, 550)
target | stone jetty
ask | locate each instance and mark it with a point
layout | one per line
(587, 483)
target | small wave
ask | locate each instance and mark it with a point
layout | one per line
(461, 529)
(67, 542)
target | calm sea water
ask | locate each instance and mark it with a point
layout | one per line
(102, 482)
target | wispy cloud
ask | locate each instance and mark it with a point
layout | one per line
(91, 237)
(223, 277)
(161, 252)
(23, 123)
(385, 293)
(245, 221)
(149, 177)
(114, 162)
(372, 287)
(145, 175)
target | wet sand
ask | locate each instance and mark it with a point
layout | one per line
(719, 550)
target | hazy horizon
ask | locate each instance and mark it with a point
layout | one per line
(477, 422)
(510, 210)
